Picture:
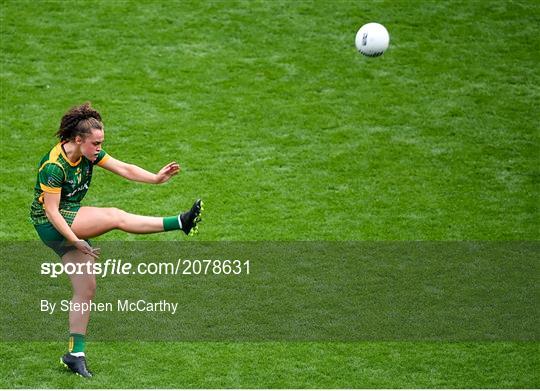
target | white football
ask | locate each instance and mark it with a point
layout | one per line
(372, 39)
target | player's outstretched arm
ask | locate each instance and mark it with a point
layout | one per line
(138, 174)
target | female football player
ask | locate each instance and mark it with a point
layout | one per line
(63, 178)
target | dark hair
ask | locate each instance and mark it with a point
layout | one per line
(79, 121)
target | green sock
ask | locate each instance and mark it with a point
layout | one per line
(76, 343)
(171, 223)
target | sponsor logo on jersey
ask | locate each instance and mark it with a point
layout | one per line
(78, 189)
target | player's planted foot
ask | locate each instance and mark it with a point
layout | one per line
(191, 218)
(76, 364)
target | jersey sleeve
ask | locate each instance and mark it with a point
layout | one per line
(101, 158)
(51, 178)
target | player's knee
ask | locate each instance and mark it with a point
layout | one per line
(117, 216)
(87, 290)
(91, 289)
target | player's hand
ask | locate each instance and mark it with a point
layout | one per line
(85, 248)
(167, 172)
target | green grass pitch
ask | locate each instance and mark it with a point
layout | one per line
(287, 133)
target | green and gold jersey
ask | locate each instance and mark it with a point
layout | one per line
(58, 175)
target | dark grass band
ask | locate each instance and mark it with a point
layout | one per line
(285, 291)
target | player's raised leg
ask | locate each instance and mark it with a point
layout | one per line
(92, 221)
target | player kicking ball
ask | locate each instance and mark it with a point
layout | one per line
(64, 176)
